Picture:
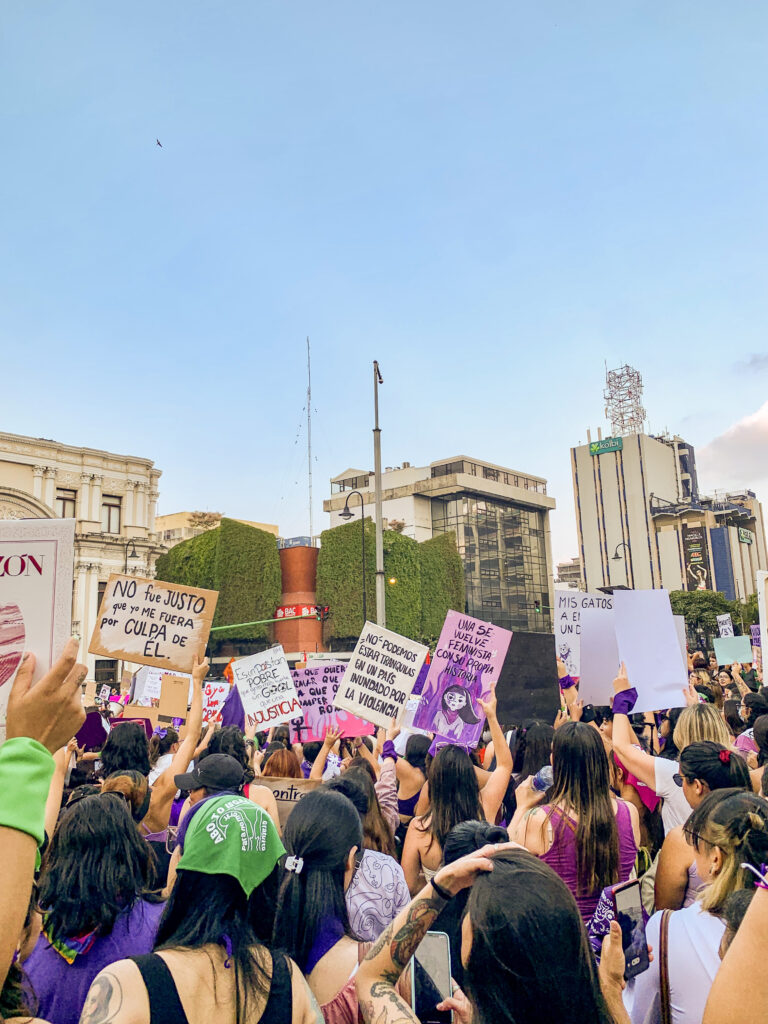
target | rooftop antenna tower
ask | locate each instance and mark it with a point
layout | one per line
(623, 400)
(309, 440)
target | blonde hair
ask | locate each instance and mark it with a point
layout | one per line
(736, 823)
(700, 722)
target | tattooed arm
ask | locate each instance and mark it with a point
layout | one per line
(117, 996)
(389, 956)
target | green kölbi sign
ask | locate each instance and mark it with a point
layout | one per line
(608, 444)
(745, 536)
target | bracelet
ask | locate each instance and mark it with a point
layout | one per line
(441, 892)
(388, 750)
(624, 701)
(566, 682)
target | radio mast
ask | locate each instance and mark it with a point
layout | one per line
(309, 440)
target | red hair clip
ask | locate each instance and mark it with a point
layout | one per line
(725, 756)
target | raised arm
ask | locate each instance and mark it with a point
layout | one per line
(493, 791)
(331, 738)
(632, 757)
(165, 784)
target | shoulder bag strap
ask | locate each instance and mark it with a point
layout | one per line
(666, 1005)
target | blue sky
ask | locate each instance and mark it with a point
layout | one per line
(492, 199)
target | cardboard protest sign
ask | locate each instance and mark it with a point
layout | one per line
(755, 634)
(725, 624)
(380, 676)
(137, 713)
(317, 686)
(266, 688)
(733, 648)
(469, 657)
(214, 695)
(287, 793)
(153, 623)
(174, 691)
(36, 570)
(569, 605)
(649, 646)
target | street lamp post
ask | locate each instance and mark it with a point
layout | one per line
(381, 614)
(347, 514)
(133, 553)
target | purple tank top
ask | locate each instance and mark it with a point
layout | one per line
(561, 856)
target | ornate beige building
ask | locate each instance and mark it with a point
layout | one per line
(113, 500)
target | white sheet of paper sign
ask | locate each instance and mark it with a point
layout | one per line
(599, 656)
(569, 605)
(649, 646)
(732, 648)
(682, 639)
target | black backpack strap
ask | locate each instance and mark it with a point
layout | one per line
(280, 1002)
(164, 1003)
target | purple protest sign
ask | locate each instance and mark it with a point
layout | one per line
(755, 631)
(469, 657)
(317, 688)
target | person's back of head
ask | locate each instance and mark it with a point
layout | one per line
(582, 784)
(321, 836)
(416, 750)
(161, 742)
(760, 736)
(377, 833)
(126, 748)
(700, 722)
(468, 836)
(715, 766)
(454, 794)
(311, 750)
(96, 866)
(134, 789)
(538, 747)
(529, 958)
(230, 740)
(732, 717)
(755, 704)
(226, 890)
(283, 764)
(729, 828)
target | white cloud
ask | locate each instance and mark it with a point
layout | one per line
(738, 457)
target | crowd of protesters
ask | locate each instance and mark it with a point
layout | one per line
(151, 879)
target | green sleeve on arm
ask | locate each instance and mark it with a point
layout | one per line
(26, 770)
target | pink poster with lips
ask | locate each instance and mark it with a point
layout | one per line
(36, 571)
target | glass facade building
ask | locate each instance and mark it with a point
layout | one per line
(503, 548)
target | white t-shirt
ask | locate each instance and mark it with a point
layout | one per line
(675, 809)
(694, 941)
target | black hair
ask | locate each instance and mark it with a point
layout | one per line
(80, 793)
(133, 787)
(311, 750)
(127, 747)
(533, 749)
(97, 865)
(760, 736)
(416, 750)
(230, 740)
(521, 913)
(321, 830)
(732, 717)
(159, 746)
(454, 794)
(351, 789)
(735, 907)
(203, 908)
(282, 734)
(702, 761)
(466, 714)
(756, 705)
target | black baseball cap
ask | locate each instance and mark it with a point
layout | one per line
(216, 772)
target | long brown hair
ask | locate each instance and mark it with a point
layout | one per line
(376, 832)
(283, 764)
(582, 784)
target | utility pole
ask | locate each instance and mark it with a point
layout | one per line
(309, 440)
(381, 614)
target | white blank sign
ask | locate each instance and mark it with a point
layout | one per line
(649, 646)
(599, 656)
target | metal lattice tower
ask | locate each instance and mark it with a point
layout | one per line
(623, 400)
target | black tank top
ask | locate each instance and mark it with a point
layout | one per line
(165, 1006)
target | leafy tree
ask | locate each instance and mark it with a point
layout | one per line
(700, 609)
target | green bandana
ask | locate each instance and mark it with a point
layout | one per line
(232, 836)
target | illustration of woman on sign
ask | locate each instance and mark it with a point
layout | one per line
(455, 712)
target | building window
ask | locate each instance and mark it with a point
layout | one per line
(110, 514)
(105, 671)
(65, 504)
(100, 595)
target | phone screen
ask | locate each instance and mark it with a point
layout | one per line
(432, 978)
(629, 914)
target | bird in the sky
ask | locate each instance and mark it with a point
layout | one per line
(159, 143)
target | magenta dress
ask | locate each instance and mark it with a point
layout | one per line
(561, 856)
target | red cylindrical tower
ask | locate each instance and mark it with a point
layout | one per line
(299, 572)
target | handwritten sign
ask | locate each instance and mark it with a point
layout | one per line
(153, 623)
(287, 793)
(725, 624)
(266, 688)
(469, 657)
(317, 687)
(380, 675)
(36, 568)
(569, 604)
(214, 695)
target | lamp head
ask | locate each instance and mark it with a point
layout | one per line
(345, 514)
